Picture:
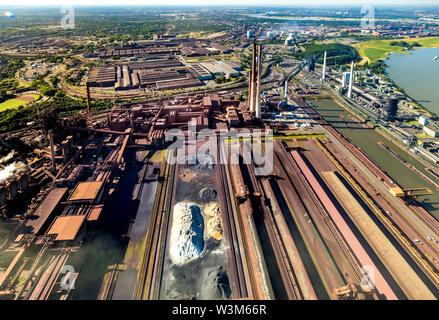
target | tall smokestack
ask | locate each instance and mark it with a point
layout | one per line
(324, 68)
(351, 80)
(52, 150)
(250, 79)
(258, 86)
(89, 120)
(253, 80)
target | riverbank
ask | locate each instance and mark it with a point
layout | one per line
(367, 140)
(415, 76)
(375, 50)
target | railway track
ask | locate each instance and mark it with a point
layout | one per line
(243, 284)
(408, 165)
(300, 287)
(426, 219)
(45, 284)
(278, 245)
(420, 212)
(324, 243)
(421, 260)
(257, 271)
(149, 279)
(147, 284)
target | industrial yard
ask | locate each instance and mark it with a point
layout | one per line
(185, 225)
(216, 167)
(162, 64)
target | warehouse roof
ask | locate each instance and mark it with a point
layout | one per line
(45, 210)
(95, 213)
(86, 191)
(66, 227)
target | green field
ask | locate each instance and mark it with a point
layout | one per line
(15, 103)
(374, 50)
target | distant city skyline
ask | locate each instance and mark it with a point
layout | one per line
(283, 3)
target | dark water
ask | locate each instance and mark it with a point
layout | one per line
(127, 280)
(418, 75)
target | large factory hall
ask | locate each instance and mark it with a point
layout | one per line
(196, 197)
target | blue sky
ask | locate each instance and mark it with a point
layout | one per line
(223, 2)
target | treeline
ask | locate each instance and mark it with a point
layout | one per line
(58, 106)
(9, 66)
(75, 77)
(7, 88)
(337, 53)
(117, 26)
(405, 44)
(377, 67)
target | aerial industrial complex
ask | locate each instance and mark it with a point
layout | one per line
(217, 168)
(324, 222)
(156, 69)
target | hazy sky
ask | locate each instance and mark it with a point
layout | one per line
(221, 2)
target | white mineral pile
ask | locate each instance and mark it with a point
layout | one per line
(214, 227)
(186, 242)
(201, 161)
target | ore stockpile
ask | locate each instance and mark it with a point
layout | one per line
(196, 253)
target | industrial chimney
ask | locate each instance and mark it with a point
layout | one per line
(249, 98)
(324, 68)
(252, 93)
(351, 80)
(258, 85)
(52, 150)
(89, 114)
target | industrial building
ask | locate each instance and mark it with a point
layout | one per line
(289, 41)
(431, 131)
(158, 65)
(203, 74)
(220, 67)
(162, 48)
(346, 79)
(390, 107)
(423, 120)
(151, 74)
(103, 77)
(118, 175)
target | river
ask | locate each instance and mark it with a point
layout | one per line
(418, 75)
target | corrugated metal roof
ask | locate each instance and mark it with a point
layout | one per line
(95, 213)
(86, 191)
(66, 227)
(45, 210)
